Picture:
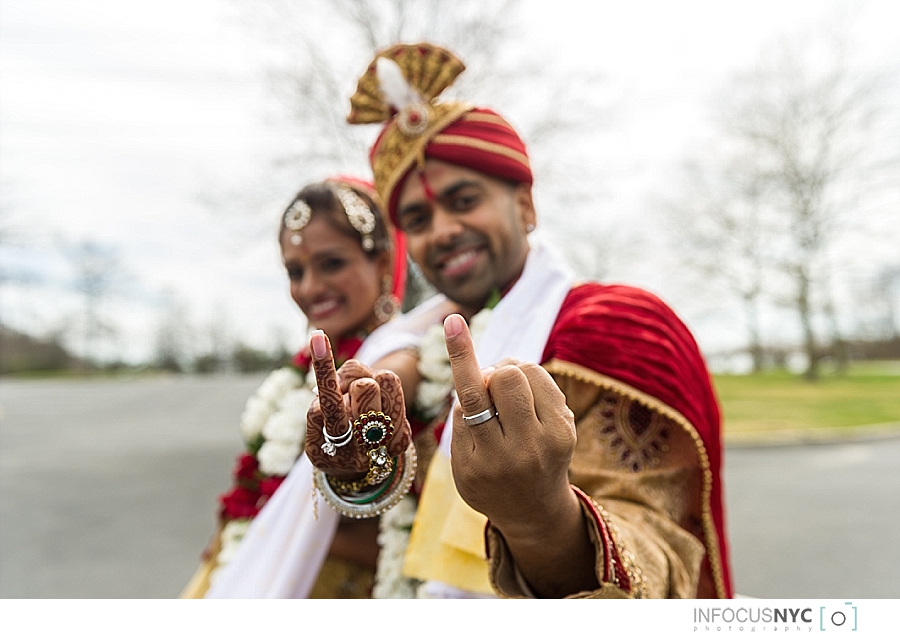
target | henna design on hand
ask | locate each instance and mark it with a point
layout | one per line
(332, 408)
(344, 395)
(349, 462)
(392, 404)
(365, 395)
(352, 370)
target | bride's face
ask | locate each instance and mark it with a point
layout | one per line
(333, 281)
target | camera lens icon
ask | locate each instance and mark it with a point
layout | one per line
(834, 618)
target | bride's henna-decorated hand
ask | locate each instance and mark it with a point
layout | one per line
(343, 395)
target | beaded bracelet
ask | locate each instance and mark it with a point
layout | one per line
(375, 502)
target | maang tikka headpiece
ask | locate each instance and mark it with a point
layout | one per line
(297, 215)
(358, 213)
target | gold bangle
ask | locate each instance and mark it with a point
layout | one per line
(345, 487)
(396, 488)
(375, 475)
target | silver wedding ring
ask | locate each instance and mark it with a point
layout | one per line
(480, 417)
(332, 443)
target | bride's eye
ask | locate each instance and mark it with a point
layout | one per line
(332, 265)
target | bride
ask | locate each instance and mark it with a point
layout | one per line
(346, 268)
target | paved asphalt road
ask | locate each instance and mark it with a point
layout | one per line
(107, 489)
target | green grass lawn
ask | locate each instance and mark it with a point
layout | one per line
(866, 395)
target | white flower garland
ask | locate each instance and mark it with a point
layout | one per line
(393, 538)
(274, 419)
(435, 387)
(230, 538)
(434, 365)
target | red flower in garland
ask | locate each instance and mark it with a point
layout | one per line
(246, 467)
(302, 360)
(346, 349)
(239, 503)
(268, 486)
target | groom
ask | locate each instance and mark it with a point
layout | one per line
(590, 446)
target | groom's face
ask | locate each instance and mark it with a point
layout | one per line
(465, 230)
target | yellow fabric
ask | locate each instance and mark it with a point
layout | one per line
(198, 586)
(457, 556)
(341, 579)
(199, 583)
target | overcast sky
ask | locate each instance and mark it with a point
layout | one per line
(124, 122)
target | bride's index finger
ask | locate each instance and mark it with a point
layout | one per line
(331, 401)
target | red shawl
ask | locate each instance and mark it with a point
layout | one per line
(631, 336)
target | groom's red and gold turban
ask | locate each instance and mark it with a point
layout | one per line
(401, 87)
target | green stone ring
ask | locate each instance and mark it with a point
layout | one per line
(373, 429)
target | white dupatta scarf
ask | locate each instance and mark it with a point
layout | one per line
(285, 545)
(284, 548)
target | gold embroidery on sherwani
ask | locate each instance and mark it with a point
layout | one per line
(576, 381)
(634, 434)
(636, 578)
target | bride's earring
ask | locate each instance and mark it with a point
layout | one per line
(386, 306)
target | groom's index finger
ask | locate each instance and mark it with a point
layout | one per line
(467, 377)
(331, 401)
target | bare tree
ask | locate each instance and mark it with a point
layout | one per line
(15, 234)
(879, 297)
(174, 339)
(321, 50)
(888, 291)
(720, 233)
(798, 127)
(97, 278)
(217, 343)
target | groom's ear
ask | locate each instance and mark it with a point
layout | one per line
(524, 202)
